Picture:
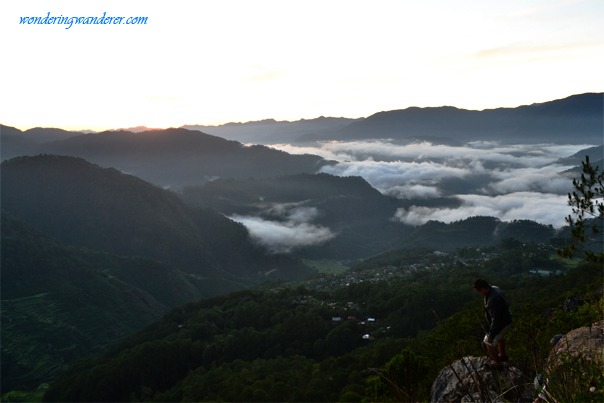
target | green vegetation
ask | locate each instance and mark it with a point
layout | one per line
(349, 206)
(577, 378)
(105, 210)
(60, 303)
(537, 308)
(358, 213)
(325, 266)
(24, 397)
(587, 216)
(320, 343)
(122, 252)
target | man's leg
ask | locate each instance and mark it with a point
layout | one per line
(501, 348)
(491, 349)
(492, 352)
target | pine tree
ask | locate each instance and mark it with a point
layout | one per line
(587, 214)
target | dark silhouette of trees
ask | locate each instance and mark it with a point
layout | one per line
(587, 214)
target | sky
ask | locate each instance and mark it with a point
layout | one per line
(213, 62)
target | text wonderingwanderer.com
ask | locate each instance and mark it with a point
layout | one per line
(70, 21)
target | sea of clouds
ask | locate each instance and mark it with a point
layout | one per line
(510, 182)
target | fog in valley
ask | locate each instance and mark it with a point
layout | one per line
(510, 182)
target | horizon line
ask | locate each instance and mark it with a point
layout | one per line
(234, 122)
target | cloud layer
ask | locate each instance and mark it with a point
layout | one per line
(540, 207)
(505, 181)
(285, 227)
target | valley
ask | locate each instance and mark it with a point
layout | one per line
(171, 263)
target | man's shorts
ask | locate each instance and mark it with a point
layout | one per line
(498, 337)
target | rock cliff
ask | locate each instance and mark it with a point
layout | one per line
(470, 379)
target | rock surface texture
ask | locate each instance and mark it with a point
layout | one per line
(471, 379)
(587, 341)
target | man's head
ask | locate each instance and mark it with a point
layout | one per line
(482, 287)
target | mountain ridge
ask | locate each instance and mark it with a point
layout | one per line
(440, 121)
(522, 122)
(580, 115)
(101, 208)
(169, 158)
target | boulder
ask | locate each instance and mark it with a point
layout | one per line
(572, 364)
(586, 341)
(471, 379)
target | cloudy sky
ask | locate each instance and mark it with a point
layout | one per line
(211, 62)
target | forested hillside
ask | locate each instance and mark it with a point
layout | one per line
(90, 255)
(60, 303)
(359, 216)
(94, 256)
(103, 209)
(334, 343)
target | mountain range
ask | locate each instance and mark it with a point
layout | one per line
(270, 131)
(176, 158)
(577, 119)
(168, 158)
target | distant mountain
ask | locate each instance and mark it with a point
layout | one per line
(596, 158)
(578, 119)
(102, 209)
(359, 216)
(270, 131)
(15, 142)
(171, 157)
(46, 134)
(476, 232)
(137, 129)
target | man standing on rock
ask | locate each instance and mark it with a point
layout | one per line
(498, 316)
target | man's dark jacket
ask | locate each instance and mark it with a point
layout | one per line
(497, 311)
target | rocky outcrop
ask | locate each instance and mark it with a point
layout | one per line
(572, 365)
(471, 379)
(586, 341)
